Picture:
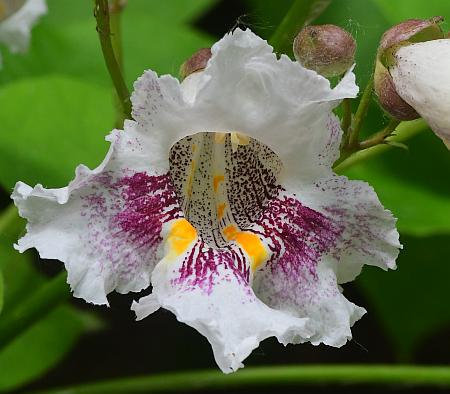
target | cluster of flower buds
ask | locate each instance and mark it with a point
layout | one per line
(412, 69)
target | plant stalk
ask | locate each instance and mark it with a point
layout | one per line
(404, 132)
(346, 115)
(102, 15)
(380, 137)
(295, 375)
(361, 112)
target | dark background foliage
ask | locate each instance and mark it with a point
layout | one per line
(55, 108)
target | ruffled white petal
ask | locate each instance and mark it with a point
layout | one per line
(422, 78)
(105, 225)
(317, 297)
(369, 234)
(15, 31)
(319, 238)
(204, 288)
(322, 233)
(246, 88)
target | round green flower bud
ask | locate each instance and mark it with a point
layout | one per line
(196, 62)
(327, 49)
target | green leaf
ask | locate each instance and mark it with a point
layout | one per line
(412, 301)
(1, 291)
(157, 44)
(19, 276)
(173, 12)
(59, 123)
(266, 15)
(40, 347)
(397, 11)
(44, 344)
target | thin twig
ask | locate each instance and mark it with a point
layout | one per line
(101, 13)
(380, 137)
(361, 112)
(347, 115)
(404, 132)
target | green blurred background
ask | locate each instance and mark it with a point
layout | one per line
(56, 106)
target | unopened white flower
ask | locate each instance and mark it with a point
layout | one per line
(421, 75)
(17, 17)
(221, 196)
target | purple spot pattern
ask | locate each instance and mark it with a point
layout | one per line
(150, 201)
(204, 267)
(330, 151)
(125, 217)
(367, 226)
(298, 236)
(250, 173)
(147, 99)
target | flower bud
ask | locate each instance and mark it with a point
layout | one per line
(388, 97)
(421, 75)
(9, 7)
(196, 62)
(413, 30)
(405, 33)
(326, 49)
(17, 17)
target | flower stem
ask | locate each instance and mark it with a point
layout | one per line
(380, 137)
(34, 308)
(300, 13)
(404, 132)
(347, 115)
(379, 375)
(361, 112)
(115, 12)
(102, 15)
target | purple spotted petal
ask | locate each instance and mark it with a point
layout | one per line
(105, 226)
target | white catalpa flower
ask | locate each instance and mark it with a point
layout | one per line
(421, 75)
(221, 196)
(17, 17)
